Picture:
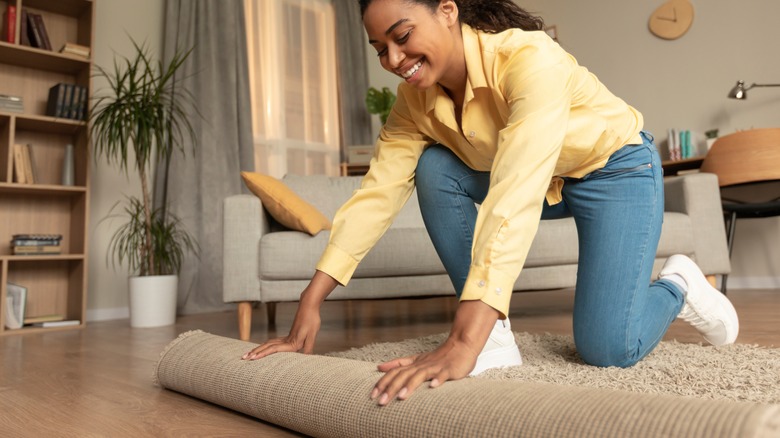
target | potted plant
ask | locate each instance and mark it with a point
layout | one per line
(138, 121)
(380, 102)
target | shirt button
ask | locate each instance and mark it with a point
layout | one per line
(498, 291)
(481, 283)
(472, 134)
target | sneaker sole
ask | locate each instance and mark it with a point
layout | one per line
(502, 357)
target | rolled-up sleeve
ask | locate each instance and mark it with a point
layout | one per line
(389, 183)
(536, 85)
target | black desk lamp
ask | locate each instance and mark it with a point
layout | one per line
(740, 91)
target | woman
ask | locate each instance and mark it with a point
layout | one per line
(493, 111)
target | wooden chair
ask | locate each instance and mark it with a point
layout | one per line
(748, 167)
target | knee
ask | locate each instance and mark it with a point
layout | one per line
(432, 166)
(605, 351)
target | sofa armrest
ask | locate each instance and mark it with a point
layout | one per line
(698, 196)
(244, 222)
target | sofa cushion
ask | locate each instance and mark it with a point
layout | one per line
(328, 194)
(407, 251)
(284, 205)
(556, 241)
(400, 252)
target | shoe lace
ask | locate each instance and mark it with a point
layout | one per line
(692, 317)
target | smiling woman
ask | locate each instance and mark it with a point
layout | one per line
(492, 111)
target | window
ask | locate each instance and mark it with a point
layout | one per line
(293, 81)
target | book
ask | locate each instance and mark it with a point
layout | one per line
(73, 109)
(36, 236)
(29, 174)
(63, 323)
(24, 36)
(56, 102)
(15, 305)
(11, 103)
(76, 50)
(44, 318)
(68, 102)
(82, 109)
(22, 242)
(38, 250)
(32, 32)
(42, 29)
(9, 24)
(19, 173)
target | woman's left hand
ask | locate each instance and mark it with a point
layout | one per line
(453, 360)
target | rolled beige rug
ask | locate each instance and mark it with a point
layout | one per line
(329, 397)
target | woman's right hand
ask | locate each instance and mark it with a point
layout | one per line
(306, 323)
(301, 338)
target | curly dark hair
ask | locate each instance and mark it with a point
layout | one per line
(491, 16)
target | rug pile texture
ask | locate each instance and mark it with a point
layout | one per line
(738, 372)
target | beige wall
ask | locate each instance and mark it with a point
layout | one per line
(679, 84)
(115, 20)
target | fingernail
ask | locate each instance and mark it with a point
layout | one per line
(245, 356)
(383, 400)
(434, 383)
(374, 393)
(402, 394)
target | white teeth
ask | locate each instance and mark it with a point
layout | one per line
(408, 73)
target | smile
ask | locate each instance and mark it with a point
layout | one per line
(408, 73)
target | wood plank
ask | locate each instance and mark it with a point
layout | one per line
(97, 381)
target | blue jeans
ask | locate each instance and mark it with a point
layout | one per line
(619, 316)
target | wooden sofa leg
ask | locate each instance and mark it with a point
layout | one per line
(270, 308)
(244, 320)
(713, 280)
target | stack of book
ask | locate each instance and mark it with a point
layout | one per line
(25, 170)
(36, 30)
(11, 104)
(36, 244)
(68, 101)
(75, 50)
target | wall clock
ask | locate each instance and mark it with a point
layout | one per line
(672, 19)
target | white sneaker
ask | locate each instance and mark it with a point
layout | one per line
(500, 350)
(705, 308)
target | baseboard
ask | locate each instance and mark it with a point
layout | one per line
(108, 314)
(753, 282)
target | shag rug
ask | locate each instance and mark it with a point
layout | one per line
(738, 372)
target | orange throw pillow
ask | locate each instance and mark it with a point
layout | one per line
(284, 205)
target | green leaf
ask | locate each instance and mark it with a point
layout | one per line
(380, 102)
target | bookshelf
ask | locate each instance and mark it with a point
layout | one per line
(56, 284)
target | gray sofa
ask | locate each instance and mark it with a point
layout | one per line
(264, 263)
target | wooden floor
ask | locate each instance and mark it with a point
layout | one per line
(98, 381)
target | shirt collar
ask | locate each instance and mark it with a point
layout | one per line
(474, 70)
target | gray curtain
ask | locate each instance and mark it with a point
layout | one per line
(353, 75)
(216, 75)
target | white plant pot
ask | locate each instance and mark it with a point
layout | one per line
(153, 300)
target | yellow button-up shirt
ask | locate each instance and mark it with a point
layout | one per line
(530, 115)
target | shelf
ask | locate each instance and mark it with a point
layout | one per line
(31, 57)
(672, 168)
(38, 258)
(71, 8)
(31, 330)
(53, 125)
(41, 189)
